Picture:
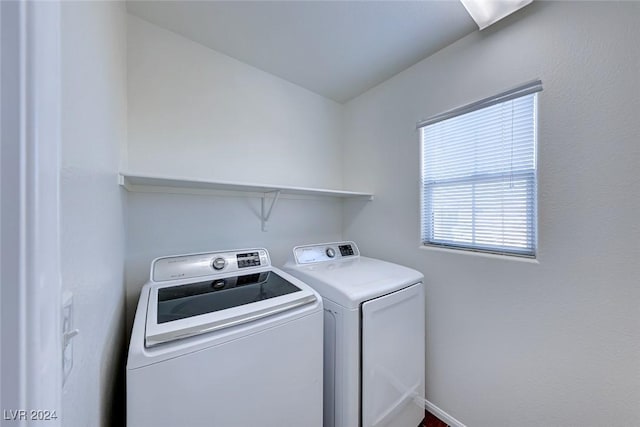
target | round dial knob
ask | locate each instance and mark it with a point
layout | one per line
(330, 252)
(218, 263)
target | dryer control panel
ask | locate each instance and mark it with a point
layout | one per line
(310, 254)
(206, 264)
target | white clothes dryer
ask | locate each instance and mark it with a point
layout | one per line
(225, 339)
(374, 335)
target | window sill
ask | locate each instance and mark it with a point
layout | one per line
(481, 254)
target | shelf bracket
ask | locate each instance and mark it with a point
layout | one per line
(264, 213)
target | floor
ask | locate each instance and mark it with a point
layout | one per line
(431, 420)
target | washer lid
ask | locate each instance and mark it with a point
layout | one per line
(351, 281)
(182, 310)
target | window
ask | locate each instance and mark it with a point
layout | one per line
(479, 175)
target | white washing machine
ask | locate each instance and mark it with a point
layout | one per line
(225, 339)
(374, 328)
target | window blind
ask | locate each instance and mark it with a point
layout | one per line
(479, 176)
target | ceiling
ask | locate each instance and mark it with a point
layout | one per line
(338, 49)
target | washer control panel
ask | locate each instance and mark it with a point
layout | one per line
(206, 264)
(346, 250)
(248, 259)
(310, 254)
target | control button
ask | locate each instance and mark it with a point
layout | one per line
(330, 252)
(346, 250)
(219, 263)
(218, 284)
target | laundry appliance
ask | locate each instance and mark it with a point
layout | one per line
(225, 339)
(374, 335)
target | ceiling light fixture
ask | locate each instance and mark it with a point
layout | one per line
(487, 12)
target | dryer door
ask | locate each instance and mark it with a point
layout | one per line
(393, 358)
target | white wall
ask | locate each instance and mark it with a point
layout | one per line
(92, 224)
(30, 347)
(515, 343)
(197, 113)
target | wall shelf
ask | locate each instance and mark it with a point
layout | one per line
(150, 183)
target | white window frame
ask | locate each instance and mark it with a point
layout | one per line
(523, 90)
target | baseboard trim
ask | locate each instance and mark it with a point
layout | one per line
(442, 415)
